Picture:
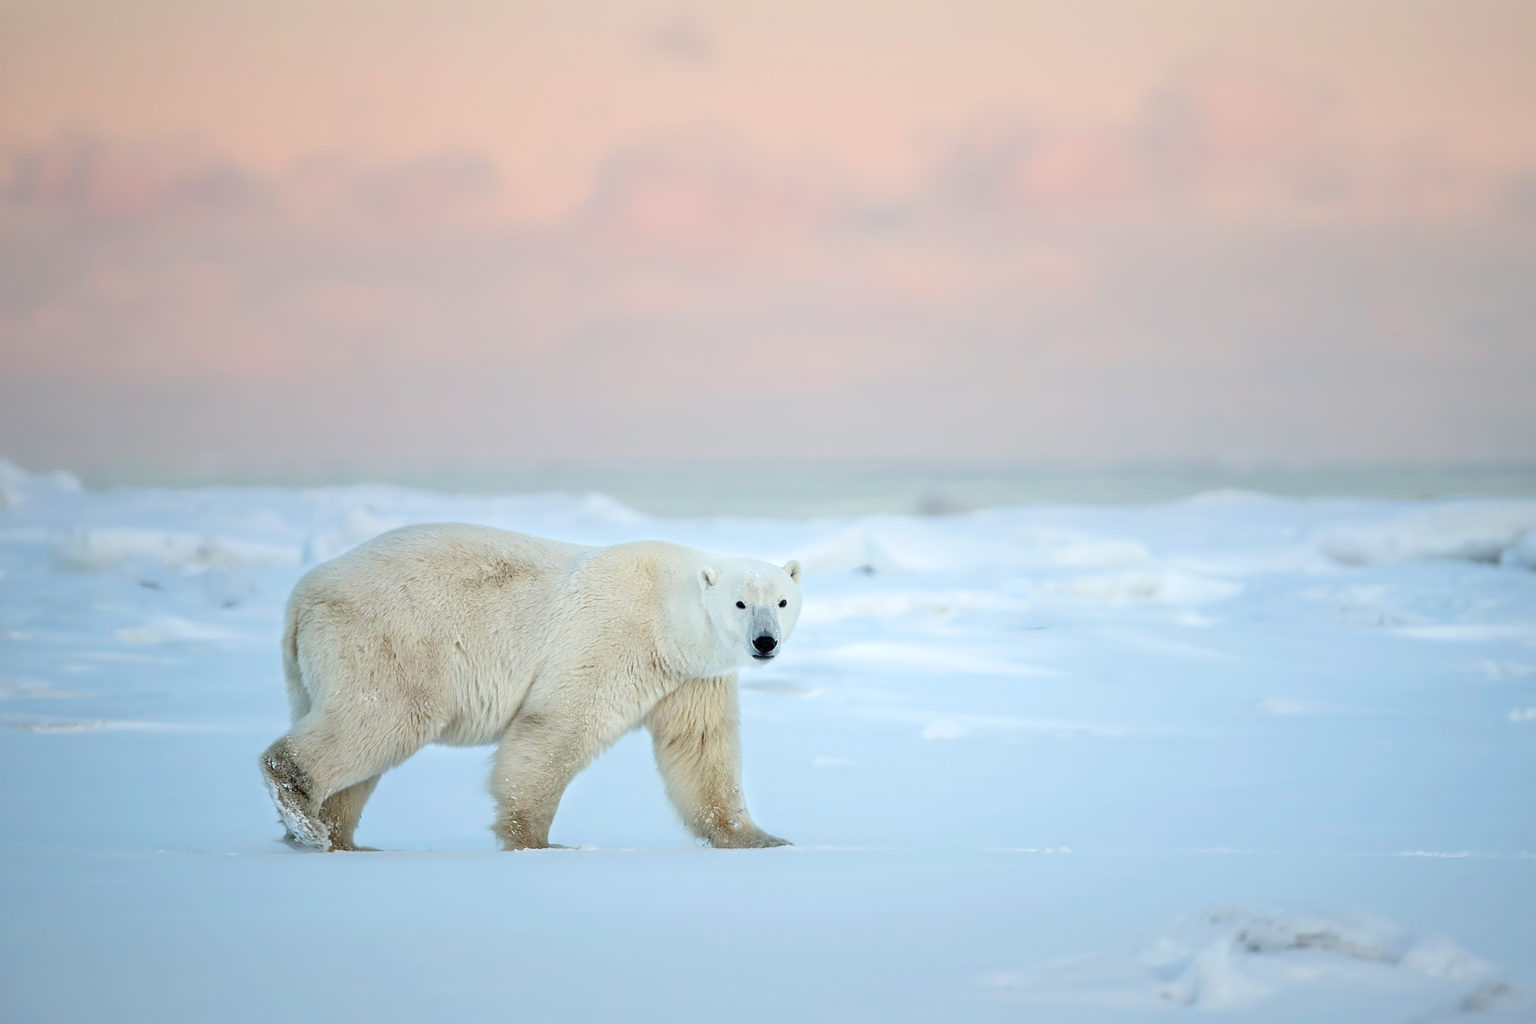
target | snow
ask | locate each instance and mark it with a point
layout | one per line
(1261, 758)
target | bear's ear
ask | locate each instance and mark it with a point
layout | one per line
(708, 577)
(793, 568)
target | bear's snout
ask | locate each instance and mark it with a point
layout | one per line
(765, 644)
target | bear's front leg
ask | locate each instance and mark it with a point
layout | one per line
(695, 731)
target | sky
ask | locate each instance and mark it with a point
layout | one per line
(474, 231)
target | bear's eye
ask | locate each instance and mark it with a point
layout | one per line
(783, 602)
(741, 604)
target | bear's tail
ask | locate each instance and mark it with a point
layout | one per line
(298, 694)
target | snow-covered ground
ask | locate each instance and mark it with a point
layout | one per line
(1270, 758)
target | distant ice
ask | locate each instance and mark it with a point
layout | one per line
(95, 549)
(907, 545)
(17, 486)
(359, 524)
(885, 545)
(945, 604)
(1487, 532)
(943, 729)
(958, 726)
(904, 657)
(1441, 854)
(1371, 606)
(31, 689)
(1522, 553)
(1138, 587)
(1279, 706)
(1505, 669)
(73, 725)
(782, 688)
(1069, 548)
(174, 629)
(1469, 632)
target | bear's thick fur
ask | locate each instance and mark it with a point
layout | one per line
(467, 635)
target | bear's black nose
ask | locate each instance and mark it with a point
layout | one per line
(765, 643)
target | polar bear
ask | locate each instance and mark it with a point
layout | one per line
(467, 635)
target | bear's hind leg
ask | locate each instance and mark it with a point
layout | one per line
(322, 772)
(342, 811)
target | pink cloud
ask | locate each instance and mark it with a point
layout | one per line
(1218, 132)
(684, 38)
(123, 180)
(422, 192)
(704, 195)
(1214, 139)
(1019, 299)
(1014, 168)
(128, 179)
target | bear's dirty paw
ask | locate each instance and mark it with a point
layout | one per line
(288, 785)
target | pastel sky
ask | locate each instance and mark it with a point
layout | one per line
(476, 230)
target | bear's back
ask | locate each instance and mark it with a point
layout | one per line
(450, 555)
(436, 578)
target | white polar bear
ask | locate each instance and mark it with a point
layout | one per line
(467, 635)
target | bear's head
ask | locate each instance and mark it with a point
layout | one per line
(752, 605)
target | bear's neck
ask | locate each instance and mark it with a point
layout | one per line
(692, 647)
